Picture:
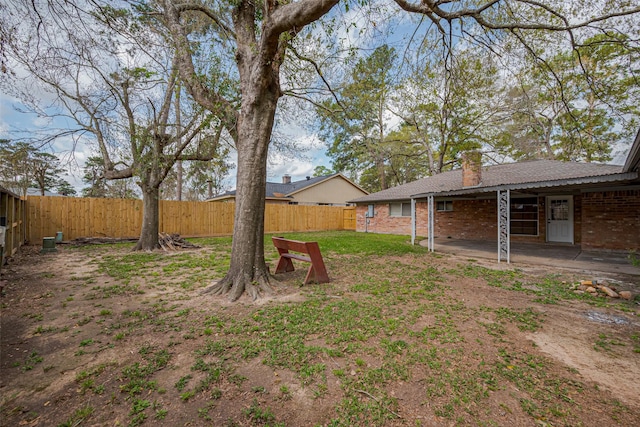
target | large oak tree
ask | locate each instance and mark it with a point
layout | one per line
(259, 34)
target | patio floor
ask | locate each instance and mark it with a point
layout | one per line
(554, 255)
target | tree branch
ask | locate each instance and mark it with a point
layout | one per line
(118, 174)
(319, 71)
(226, 28)
(291, 17)
(213, 101)
(296, 15)
(429, 6)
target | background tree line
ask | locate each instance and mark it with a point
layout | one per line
(573, 105)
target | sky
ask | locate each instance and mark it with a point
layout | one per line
(311, 153)
(312, 150)
(73, 155)
(14, 122)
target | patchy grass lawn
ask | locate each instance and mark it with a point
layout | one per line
(98, 335)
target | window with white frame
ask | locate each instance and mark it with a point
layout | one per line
(399, 209)
(444, 205)
(524, 216)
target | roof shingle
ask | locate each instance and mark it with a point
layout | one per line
(529, 172)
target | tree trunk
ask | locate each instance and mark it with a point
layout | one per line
(179, 180)
(150, 219)
(261, 33)
(382, 174)
(248, 271)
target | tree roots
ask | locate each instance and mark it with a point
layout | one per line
(234, 285)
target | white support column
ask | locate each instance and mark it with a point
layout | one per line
(413, 221)
(504, 235)
(430, 214)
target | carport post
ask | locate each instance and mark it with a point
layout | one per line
(430, 244)
(413, 221)
(504, 235)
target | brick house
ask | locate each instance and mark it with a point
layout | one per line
(595, 206)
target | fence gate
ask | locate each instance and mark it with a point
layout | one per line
(349, 218)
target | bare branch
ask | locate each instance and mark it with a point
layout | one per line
(213, 101)
(215, 17)
(427, 7)
(295, 15)
(319, 71)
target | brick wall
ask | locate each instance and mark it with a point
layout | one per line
(455, 224)
(611, 220)
(470, 219)
(577, 219)
(602, 220)
(383, 223)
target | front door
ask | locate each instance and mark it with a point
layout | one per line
(560, 219)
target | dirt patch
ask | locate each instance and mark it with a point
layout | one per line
(435, 341)
(593, 349)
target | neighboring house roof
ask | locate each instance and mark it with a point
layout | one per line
(36, 192)
(275, 189)
(286, 191)
(523, 175)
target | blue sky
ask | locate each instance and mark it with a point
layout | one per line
(15, 124)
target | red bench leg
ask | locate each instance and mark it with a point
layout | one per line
(284, 265)
(317, 272)
(314, 275)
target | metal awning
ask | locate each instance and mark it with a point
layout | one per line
(608, 179)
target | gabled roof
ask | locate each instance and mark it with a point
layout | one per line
(523, 175)
(633, 158)
(277, 190)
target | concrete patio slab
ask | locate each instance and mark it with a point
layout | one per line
(552, 255)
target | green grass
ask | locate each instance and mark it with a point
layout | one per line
(31, 361)
(338, 242)
(44, 329)
(391, 318)
(258, 415)
(78, 417)
(606, 344)
(352, 243)
(136, 380)
(124, 267)
(526, 320)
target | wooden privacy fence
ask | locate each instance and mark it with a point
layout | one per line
(122, 218)
(12, 219)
